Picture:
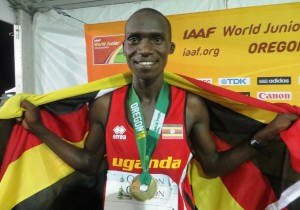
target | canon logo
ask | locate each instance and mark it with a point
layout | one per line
(273, 80)
(208, 80)
(234, 81)
(274, 95)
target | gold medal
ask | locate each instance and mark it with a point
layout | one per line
(143, 192)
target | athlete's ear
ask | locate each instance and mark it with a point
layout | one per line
(172, 48)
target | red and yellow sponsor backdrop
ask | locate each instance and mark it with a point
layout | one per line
(253, 50)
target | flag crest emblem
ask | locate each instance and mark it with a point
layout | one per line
(172, 131)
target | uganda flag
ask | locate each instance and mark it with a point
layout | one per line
(172, 131)
(32, 177)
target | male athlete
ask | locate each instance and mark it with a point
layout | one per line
(149, 161)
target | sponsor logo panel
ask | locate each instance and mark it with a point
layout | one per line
(208, 80)
(274, 95)
(274, 80)
(234, 81)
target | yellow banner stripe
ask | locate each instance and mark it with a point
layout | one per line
(35, 170)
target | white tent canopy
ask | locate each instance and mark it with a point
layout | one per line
(6, 13)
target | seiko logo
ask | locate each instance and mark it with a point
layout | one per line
(273, 80)
(234, 81)
(119, 131)
(130, 164)
(208, 80)
(274, 95)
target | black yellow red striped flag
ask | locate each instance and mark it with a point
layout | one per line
(33, 177)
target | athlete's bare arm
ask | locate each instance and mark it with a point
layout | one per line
(85, 160)
(216, 163)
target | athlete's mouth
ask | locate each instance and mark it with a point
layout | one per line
(145, 63)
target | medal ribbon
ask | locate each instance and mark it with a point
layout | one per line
(147, 143)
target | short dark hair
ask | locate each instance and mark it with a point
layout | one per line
(155, 12)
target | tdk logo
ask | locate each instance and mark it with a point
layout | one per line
(234, 81)
(119, 131)
(274, 80)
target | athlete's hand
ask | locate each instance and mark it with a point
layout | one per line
(31, 119)
(272, 131)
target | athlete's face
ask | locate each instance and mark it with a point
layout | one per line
(147, 44)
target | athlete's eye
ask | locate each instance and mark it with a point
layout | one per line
(157, 40)
(133, 40)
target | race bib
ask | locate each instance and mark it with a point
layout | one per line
(117, 193)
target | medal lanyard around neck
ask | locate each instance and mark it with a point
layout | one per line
(147, 143)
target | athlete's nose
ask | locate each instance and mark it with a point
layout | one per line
(145, 47)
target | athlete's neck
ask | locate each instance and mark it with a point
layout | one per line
(147, 90)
